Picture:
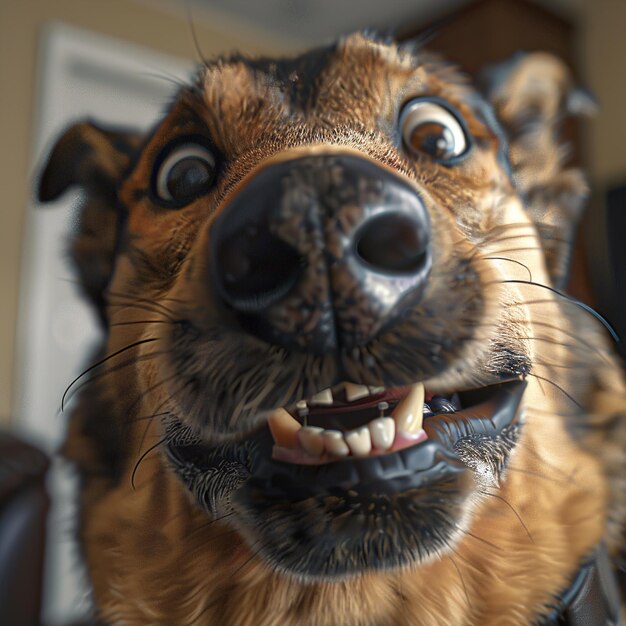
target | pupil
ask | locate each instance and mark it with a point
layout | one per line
(434, 139)
(188, 177)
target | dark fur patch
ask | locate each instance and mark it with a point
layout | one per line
(295, 77)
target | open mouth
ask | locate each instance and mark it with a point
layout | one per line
(357, 421)
(356, 478)
(360, 434)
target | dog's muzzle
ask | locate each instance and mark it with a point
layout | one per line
(321, 252)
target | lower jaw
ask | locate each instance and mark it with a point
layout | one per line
(328, 521)
(342, 534)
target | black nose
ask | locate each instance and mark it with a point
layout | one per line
(321, 252)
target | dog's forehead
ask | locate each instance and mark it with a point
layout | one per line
(358, 84)
(356, 65)
(356, 78)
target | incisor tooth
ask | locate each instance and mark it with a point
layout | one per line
(409, 414)
(311, 440)
(335, 443)
(359, 441)
(382, 432)
(284, 428)
(355, 392)
(323, 397)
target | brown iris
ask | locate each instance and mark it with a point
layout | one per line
(434, 139)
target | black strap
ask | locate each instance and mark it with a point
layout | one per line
(592, 599)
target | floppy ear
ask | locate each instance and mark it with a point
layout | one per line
(95, 159)
(532, 94)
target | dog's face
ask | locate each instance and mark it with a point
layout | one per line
(315, 276)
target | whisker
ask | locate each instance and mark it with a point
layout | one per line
(98, 376)
(247, 561)
(480, 539)
(502, 258)
(458, 571)
(102, 361)
(555, 385)
(574, 301)
(512, 508)
(576, 338)
(131, 323)
(148, 417)
(194, 35)
(120, 294)
(142, 457)
(134, 406)
(150, 308)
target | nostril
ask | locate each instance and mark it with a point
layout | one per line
(255, 268)
(393, 242)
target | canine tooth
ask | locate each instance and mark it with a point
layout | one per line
(323, 397)
(383, 432)
(335, 443)
(359, 441)
(355, 392)
(284, 428)
(311, 440)
(409, 414)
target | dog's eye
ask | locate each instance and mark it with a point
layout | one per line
(185, 174)
(430, 128)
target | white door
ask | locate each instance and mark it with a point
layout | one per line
(80, 75)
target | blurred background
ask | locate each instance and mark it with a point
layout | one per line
(119, 61)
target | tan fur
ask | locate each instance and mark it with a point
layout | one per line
(155, 558)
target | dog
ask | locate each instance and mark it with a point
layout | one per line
(341, 384)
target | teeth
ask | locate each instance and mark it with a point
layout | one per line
(311, 440)
(359, 441)
(355, 392)
(335, 443)
(409, 414)
(375, 390)
(284, 428)
(382, 432)
(323, 397)
(379, 435)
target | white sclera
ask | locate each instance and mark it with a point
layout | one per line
(422, 112)
(184, 151)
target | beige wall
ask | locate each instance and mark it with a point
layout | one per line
(21, 22)
(603, 56)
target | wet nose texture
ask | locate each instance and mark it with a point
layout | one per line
(321, 253)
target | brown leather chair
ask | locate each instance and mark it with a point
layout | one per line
(23, 510)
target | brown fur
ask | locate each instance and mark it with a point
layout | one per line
(153, 556)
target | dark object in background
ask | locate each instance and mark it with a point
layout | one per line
(616, 233)
(23, 509)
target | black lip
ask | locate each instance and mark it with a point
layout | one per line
(389, 473)
(487, 413)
